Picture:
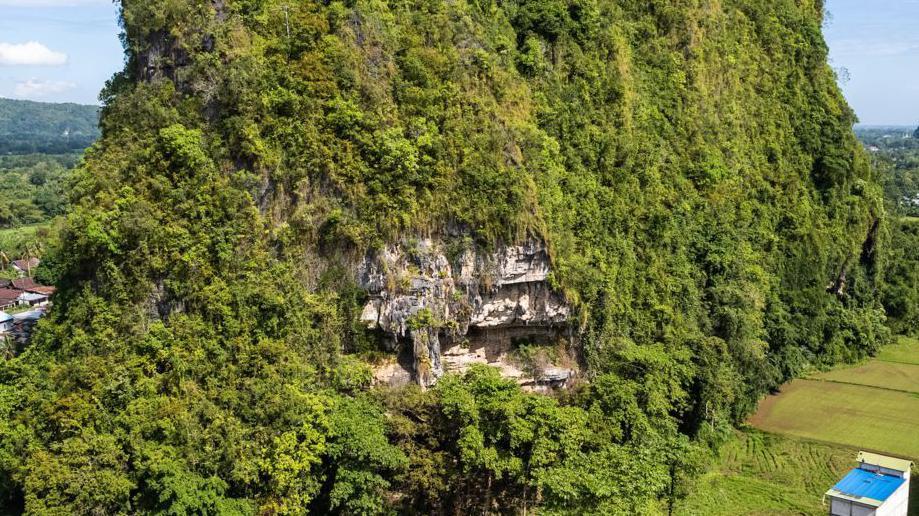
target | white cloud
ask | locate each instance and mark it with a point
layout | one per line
(30, 53)
(36, 89)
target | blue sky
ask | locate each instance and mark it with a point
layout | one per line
(877, 41)
(58, 50)
(65, 50)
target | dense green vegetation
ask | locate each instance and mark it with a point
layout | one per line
(32, 188)
(36, 159)
(690, 164)
(28, 127)
(900, 289)
(895, 153)
(32, 196)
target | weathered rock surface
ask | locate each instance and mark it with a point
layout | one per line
(470, 309)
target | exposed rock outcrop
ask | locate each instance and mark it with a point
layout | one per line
(475, 307)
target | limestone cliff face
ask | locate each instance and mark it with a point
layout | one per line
(443, 313)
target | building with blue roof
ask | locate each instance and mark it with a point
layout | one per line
(879, 486)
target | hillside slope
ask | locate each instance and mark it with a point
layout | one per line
(28, 127)
(663, 199)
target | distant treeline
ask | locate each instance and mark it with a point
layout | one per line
(896, 155)
(28, 127)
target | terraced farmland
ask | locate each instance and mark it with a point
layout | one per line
(763, 474)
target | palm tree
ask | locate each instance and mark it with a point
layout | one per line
(33, 250)
(7, 347)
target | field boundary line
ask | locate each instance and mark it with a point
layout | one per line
(840, 382)
(896, 362)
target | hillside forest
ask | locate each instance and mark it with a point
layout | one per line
(895, 154)
(710, 218)
(28, 127)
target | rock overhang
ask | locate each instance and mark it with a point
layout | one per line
(473, 305)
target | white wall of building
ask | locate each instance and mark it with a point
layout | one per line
(897, 504)
(840, 507)
(861, 510)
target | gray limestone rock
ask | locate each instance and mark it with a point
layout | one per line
(473, 304)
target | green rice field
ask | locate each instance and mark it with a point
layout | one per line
(864, 417)
(877, 373)
(873, 406)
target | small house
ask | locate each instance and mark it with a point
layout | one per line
(41, 289)
(6, 322)
(30, 317)
(879, 486)
(25, 267)
(33, 299)
(24, 323)
(23, 283)
(9, 298)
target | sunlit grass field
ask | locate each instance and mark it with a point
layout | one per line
(758, 473)
(905, 351)
(853, 415)
(877, 373)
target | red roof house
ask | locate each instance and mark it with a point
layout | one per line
(9, 297)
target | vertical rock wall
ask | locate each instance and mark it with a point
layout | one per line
(473, 307)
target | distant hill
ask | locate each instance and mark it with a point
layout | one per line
(37, 127)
